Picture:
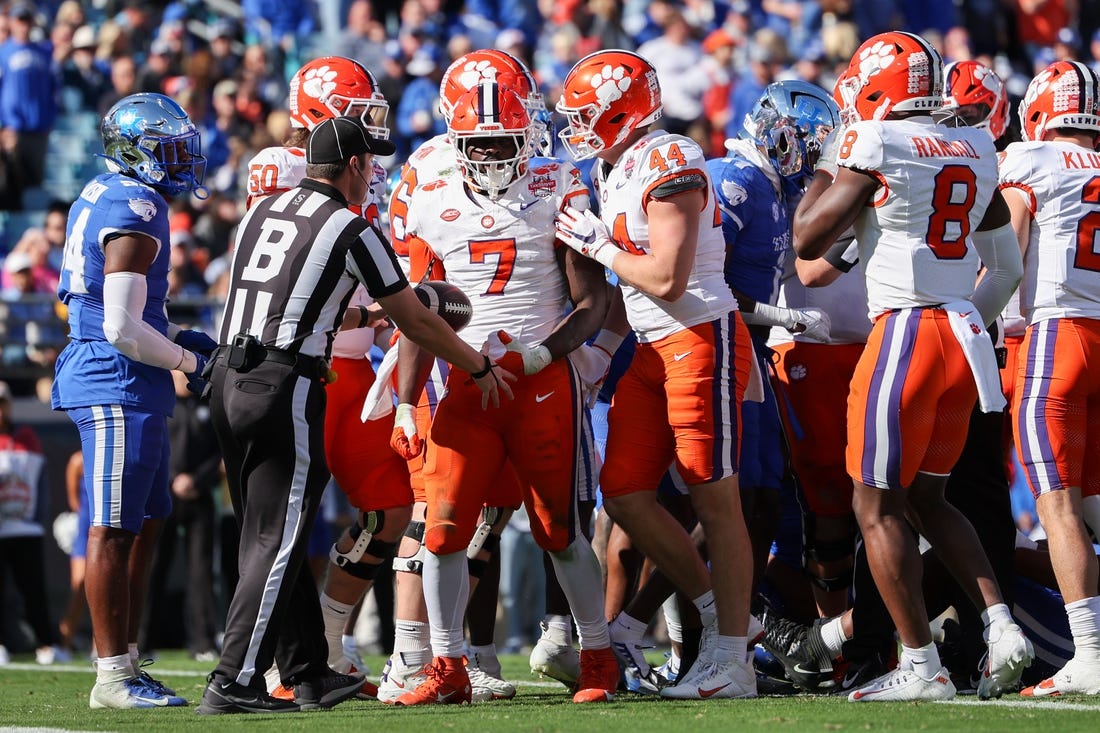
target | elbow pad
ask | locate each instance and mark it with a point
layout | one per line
(1000, 253)
(124, 295)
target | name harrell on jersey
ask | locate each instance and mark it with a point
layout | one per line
(935, 185)
(1061, 183)
(501, 253)
(660, 165)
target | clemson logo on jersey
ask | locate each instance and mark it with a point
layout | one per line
(144, 208)
(433, 185)
(487, 221)
(542, 186)
(450, 214)
(543, 170)
(797, 372)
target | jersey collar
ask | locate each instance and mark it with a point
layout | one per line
(312, 184)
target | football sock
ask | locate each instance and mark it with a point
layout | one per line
(446, 592)
(579, 574)
(335, 615)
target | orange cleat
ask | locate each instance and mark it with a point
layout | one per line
(599, 676)
(282, 692)
(447, 683)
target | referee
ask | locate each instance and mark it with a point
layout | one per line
(299, 255)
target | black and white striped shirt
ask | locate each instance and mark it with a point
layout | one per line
(298, 256)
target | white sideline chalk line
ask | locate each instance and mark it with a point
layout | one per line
(1032, 704)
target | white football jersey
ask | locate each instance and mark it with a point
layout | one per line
(844, 299)
(935, 185)
(1061, 183)
(661, 164)
(432, 161)
(501, 253)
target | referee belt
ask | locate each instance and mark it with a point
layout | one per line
(312, 367)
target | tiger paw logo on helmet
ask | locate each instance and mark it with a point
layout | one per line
(474, 72)
(610, 83)
(319, 83)
(1037, 86)
(874, 59)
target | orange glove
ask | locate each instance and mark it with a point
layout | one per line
(404, 440)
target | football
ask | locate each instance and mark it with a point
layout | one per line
(449, 302)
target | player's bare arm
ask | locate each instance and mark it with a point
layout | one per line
(828, 208)
(590, 295)
(673, 235)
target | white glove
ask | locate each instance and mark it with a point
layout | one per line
(65, 527)
(830, 148)
(535, 358)
(404, 440)
(587, 234)
(593, 361)
(813, 323)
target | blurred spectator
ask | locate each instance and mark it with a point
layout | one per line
(78, 505)
(57, 215)
(34, 244)
(512, 41)
(61, 43)
(71, 13)
(82, 73)
(223, 49)
(956, 45)
(522, 583)
(1038, 23)
(261, 81)
(24, 509)
(767, 57)
(1094, 51)
(605, 28)
(214, 228)
(676, 55)
(796, 20)
(718, 47)
(136, 26)
(159, 66)
(123, 83)
(30, 329)
(28, 97)
(1067, 45)
(363, 37)
(194, 476)
(417, 118)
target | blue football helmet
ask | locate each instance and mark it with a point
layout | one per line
(788, 124)
(151, 138)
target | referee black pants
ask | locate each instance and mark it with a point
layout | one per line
(270, 424)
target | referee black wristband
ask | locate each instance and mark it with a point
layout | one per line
(484, 372)
(364, 316)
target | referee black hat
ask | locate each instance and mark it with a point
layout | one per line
(339, 138)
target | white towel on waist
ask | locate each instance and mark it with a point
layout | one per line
(966, 324)
(379, 401)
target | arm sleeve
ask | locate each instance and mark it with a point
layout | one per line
(1000, 253)
(124, 295)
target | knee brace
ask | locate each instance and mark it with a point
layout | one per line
(364, 542)
(413, 563)
(477, 567)
(823, 551)
(489, 516)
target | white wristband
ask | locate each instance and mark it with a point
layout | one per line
(769, 315)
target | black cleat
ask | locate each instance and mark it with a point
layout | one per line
(801, 651)
(327, 690)
(227, 698)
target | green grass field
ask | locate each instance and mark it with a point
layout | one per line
(57, 698)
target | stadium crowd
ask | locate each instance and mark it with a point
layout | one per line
(725, 75)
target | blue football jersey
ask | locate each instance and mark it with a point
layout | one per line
(90, 371)
(755, 224)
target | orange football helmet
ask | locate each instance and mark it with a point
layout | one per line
(891, 72)
(977, 95)
(334, 86)
(1064, 94)
(606, 96)
(491, 116)
(488, 64)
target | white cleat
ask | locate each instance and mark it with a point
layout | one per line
(485, 687)
(396, 681)
(708, 679)
(130, 693)
(1078, 677)
(553, 658)
(1009, 655)
(904, 685)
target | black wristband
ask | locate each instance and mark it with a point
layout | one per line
(484, 372)
(364, 316)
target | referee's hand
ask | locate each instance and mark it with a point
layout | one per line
(494, 384)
